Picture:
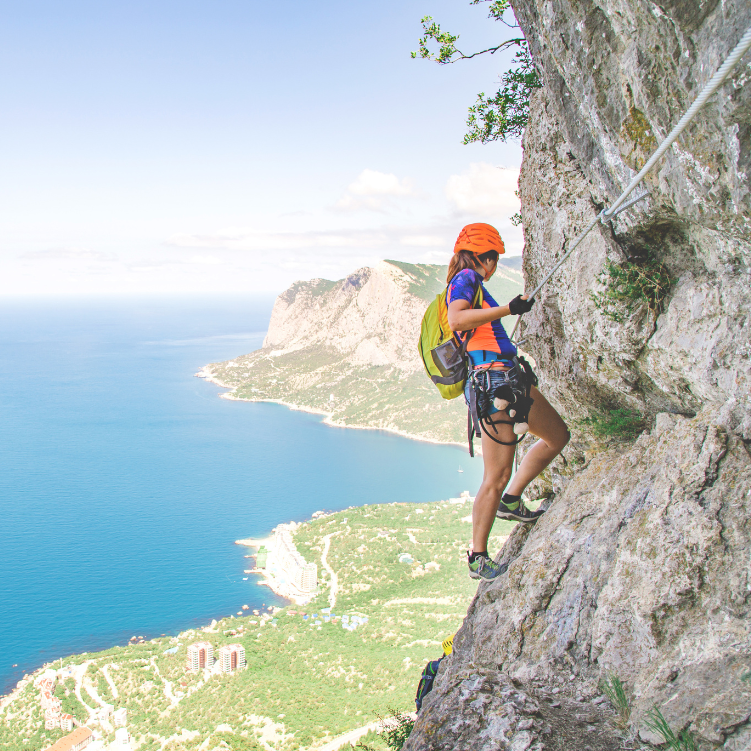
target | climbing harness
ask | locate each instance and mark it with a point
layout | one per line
(512, 397)
(621, 204)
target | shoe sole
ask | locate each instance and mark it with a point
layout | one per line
(475, 575)
(516, 517)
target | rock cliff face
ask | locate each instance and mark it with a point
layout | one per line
(617, 77)
(640, 569)
(372, 316)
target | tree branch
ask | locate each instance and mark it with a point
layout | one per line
(491, 50)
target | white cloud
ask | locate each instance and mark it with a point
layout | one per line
(381, 238)
(205, 260)
(252, 240)
(424, 241)
(374, 191)
(485, 192)
(372, 183)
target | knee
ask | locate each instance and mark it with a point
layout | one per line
(497, 484)
(562, 440)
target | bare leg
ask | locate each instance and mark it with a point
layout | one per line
(547, 425)
(497, 460)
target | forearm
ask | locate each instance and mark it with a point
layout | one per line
(468, 319)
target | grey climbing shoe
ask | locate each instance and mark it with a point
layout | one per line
(517, 512)
(484, 567)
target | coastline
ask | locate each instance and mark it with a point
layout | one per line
(272, 629)
(229, 396)
(281, 588)
(278, 585)
(265, 578)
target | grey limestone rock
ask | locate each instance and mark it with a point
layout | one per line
(617, 76)
(641, 566)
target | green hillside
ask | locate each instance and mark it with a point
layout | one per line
(304, 682)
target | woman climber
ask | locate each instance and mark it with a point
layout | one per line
(500, 392)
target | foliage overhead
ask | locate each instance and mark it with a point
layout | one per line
(500, 116)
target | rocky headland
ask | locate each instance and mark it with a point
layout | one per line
(348, 349)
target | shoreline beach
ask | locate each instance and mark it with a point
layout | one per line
(229, 396)
(282, 589)
(274, 569)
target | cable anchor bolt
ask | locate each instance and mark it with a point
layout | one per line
(606, 216)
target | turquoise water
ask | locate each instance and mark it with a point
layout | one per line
(124, 480)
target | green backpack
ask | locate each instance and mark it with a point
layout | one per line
(444, 353)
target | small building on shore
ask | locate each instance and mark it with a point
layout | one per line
(200, 656)
(231, 658)
(303, 575)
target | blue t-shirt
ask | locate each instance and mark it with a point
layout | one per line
(490, 337)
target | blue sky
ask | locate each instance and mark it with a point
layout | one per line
(189, 147)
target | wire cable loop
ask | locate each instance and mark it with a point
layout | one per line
(621, 204)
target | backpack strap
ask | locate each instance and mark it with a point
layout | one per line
(425, 686)
(477, 301)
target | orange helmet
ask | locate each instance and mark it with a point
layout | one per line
(479, 238)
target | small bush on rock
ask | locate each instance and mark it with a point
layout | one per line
(395, 730)
(658, 724)
(636, 282)
(613, 688)
(614, 423)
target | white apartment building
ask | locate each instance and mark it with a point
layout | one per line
(302, 574)
(231, 657)
(200, 656)
(122, 737)
(105, 711)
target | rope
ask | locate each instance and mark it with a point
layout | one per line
(621, 205)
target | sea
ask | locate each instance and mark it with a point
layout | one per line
(125, 480)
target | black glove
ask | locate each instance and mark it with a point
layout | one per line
(518, 306)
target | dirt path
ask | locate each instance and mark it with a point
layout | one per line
(108, 678)
(334, 590)
(347, 739)
(171, 698)
(92, 692)
(78, 675)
